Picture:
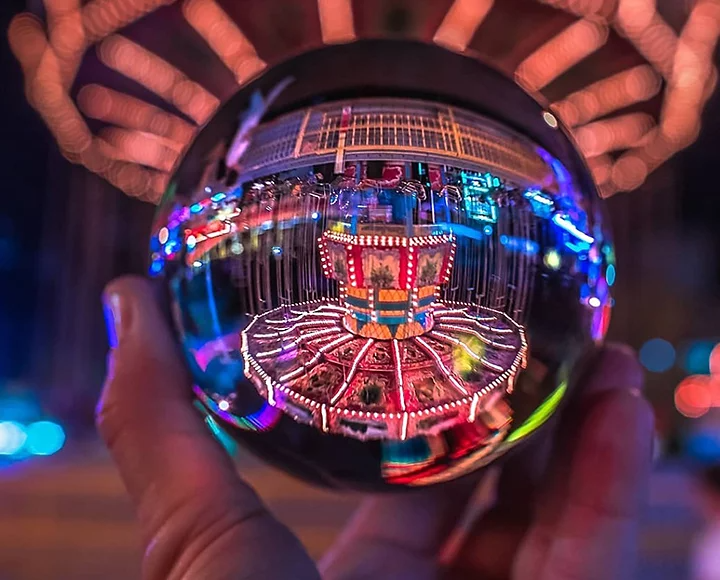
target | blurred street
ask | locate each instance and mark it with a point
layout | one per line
(67, 518)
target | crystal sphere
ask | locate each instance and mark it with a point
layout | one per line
(383, 261)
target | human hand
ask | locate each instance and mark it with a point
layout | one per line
(198, 519)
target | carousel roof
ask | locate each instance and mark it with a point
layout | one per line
(124, 85)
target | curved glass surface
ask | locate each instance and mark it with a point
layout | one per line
(377, 293)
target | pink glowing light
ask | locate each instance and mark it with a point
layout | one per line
(353, 369)
(399, 374)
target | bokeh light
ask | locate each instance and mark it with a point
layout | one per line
(562, 52)
(12, 437)
(657, 355)
(704, 446)
(715, 361)
(693, 397)
(44, 438)
(696, 359)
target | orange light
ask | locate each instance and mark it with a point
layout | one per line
(157, 75)
(608, 95)
(336, 21)
(142, 148)
(600, 168)
(639, 21)
(694, 397)
(562, 52)
(67, 36)
(461, 22)
(715, 362)
(125, 111)
(28, 43)
(136, 181)
(629, 172)
(224, 38)
(621, 132)
(691, 73)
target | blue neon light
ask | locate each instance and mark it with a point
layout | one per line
(564, 223)
(610, 275)
(156, 267)
(477, 195)
(522, 245)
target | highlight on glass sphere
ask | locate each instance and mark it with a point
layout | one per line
(379, 292)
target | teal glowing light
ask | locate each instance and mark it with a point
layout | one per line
(697, 357)
(477, 190)
(12, 438)
(223, 438)
(44, 438)
(610, 275)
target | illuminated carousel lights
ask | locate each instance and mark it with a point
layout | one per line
(390, 241)
(351, 268)
(506, 378)
(476, 334)
(448, 374)
(466, 318)
(371, 304)
(410, 270)
(353, 369)
(399, 373)
(457, 342)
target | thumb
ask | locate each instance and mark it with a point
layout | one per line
(195, 512)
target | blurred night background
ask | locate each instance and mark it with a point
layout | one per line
(66, 231)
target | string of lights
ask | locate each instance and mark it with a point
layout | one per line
(135, 158)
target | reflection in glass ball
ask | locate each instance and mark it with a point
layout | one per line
(377, 292)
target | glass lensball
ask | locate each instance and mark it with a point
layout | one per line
(378, 290)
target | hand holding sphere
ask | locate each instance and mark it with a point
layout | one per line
(565, 509)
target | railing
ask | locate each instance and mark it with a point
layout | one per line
(392, 129)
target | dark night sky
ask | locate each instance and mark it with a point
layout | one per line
(24, 150)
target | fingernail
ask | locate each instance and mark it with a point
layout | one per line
(115, 318)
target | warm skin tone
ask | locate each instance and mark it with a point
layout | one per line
(574, 517)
